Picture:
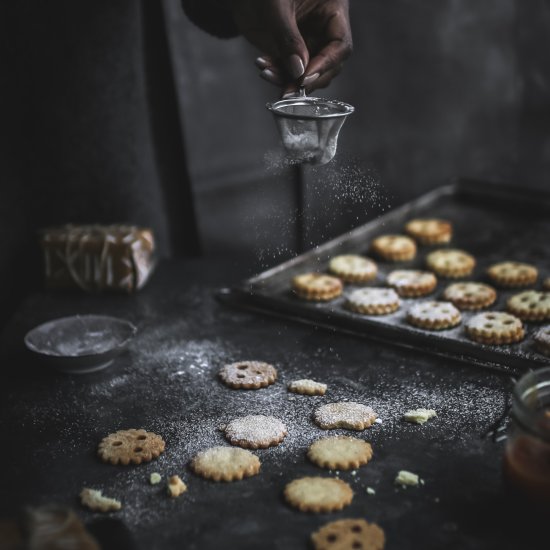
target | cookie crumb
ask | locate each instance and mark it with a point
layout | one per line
(155, 478)
(371, 491)
(176, 486)
(407, 479)
(419, 416)
(95, 501)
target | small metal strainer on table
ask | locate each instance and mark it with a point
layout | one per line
(309, 126)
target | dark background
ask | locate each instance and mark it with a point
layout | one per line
(125, 112)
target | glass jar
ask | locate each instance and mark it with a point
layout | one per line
(527, 454)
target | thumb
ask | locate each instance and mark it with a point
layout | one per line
(292, 50)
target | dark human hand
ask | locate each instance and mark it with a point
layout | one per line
(303, 42)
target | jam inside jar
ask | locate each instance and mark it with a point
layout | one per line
(527, 453)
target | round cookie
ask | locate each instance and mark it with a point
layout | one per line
(255, 431)
(307, 387)
(513, 274)
(225, 464)
(434, 315)
(344, 414)
(349, 534)
(530, 305)
(495, 327)
(429, 230)
(340, 452)
(470, 296)
(394, 248)
(411, 283)
(135, 446)
(318, 494)
(542, 340)
(373, 301)
(353, 269)
(317, 287)
(450, 262)
(248, 375)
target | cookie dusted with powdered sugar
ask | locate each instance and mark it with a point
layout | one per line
(513, 274)
(373, 301)
(317, 287)
(353, 269)
(451, 263)
(429, 230)
(307, 387)
(255, 431)
(248, 375)
(344, 414)
(434, 315)
(542, 340)
(318, 494)
(412, 283)
(495, 327)
(349, 534)
(530, 305)
(394, 248)
(470, 296)
(225, 464)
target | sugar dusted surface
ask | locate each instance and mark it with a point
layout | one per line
(434, 311)
(373, 297)
(255, 429)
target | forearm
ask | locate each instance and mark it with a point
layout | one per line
(213, 16)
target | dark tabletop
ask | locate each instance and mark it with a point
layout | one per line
(51, 424)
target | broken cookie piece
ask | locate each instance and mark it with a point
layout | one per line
(95, 501)
(407, 479)
(419, 416)
(176, 486)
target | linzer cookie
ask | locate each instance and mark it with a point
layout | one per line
(530, 305)
(340, 452)
(248, 375)
(344, 414)
(135, 446)
(307, 387)
(411, 283)
(373, 301)
(451, 263)
(513, 274)
(542, 340)
(434, 315)
(429, 230)
(317, 287)
(394, 248)
(495, 327)
(255, 431)
(470, 296)
(98, 257)
(225, 464)
(349, 534)
(353, 269)
(318, 494)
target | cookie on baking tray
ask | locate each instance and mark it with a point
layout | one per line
(530, 305)
(450, 262)
(248, 375)
(412, 283)
(434, 315)
(542, 340)
(349, 534)
(546, 284)
(318, 494)
(307, 387)
(340, 452)
(394, 248)
(513, 274)
(225, 464)
(352, 268)
(317, 287)
(495, 327)
(373, 301)
(470, 296)
(429, 230)
(94, 500)
(135, 446)
(255, 431)
(344, 414)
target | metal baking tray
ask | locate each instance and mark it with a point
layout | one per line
(494, 222)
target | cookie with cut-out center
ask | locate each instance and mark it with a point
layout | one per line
(542, 340)
(255, 431)
(318, 494)
(135, 446)
(352, 268)
(248, 375)
(349, 534)
(307, 387)
(373, 301)
(470, 296)
(340, 452)
(344, 414)
(530, 305)
(412, 283)
(434, 315)
(513, 274)
(394, 248)
(225, 464)
(317, 287)
(495, 327)
(429, 230)
(451, 263)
